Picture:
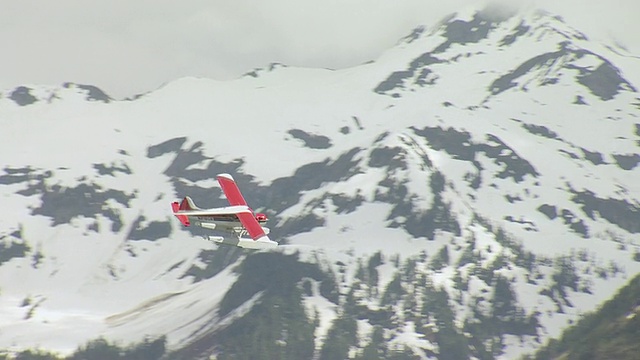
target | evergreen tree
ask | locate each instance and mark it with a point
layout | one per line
(341, 336)
(504, 299)
(99, 349)
(372, 272)
(276, 328)
(33, 355)
(376, 349)
(394, 291)
(452, 344)
(361, 274)
(403, 353)
(467, 256)
(147, 350)
(350, 306)
(441, 259)
(458, 282)
(329, 287)
(565, 273)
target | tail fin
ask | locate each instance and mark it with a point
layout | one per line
(187, 204)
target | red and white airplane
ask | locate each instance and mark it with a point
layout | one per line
(237, 219)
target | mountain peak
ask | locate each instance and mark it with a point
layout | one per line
(473, 24)
(523, 49)
(475, 185)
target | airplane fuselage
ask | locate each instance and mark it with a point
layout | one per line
(225, 222)
(237, 219)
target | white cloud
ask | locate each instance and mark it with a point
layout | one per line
(128, 47)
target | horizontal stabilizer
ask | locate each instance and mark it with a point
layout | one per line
(183, 218)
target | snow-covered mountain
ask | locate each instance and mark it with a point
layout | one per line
(489, 163)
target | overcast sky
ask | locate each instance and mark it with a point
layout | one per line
(133, 46)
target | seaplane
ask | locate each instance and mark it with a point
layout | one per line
(237, 220)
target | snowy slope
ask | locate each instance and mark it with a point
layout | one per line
(482, 126)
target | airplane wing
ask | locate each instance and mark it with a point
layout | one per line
(233, 194)
(253, 227)
(231, 190)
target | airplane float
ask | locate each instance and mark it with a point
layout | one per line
(237, 220)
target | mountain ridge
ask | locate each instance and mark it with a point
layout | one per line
(467, 194)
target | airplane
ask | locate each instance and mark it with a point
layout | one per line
(237, 220)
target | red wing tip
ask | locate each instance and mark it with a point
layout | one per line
(226, 176)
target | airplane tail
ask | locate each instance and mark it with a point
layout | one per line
(186, 205)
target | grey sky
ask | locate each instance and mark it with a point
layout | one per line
(132, 46)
